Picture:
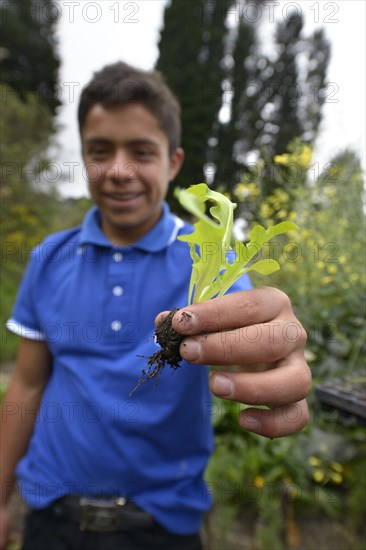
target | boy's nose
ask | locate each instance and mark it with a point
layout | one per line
(122, 168)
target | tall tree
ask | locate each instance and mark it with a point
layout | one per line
(284, 87)
(28, 66)
(271, 100)
(25, 129)
(316, 89)
(293, 93)
(191, 48)
(296, 85)
(275, 99)
(28, 59)
(237, 135)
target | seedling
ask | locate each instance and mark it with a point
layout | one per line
(213, 273)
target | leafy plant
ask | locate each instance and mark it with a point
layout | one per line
(323, 466)
(212, 271)
(326, 254)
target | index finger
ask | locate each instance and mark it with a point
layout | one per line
(231, 311)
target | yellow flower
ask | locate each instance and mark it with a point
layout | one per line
(305, 234)
(318, 475)
(245, 190)
(282, 214)
(291, 246)
(240, 191)
(337, 467)
(336, 478)
(283, 195)
(314, 461)
(253, 189)
(330, 191)
(259, 481)
(342, 259)
(265, 210)
(354, 277)
(284, 159)
(304, 158)
(326, 280)
(332, 268)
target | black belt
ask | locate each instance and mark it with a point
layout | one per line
(103, 514)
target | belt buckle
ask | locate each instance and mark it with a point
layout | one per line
(100, 515)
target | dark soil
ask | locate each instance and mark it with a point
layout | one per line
(169, 341)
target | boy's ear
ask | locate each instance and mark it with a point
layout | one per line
(176, 161)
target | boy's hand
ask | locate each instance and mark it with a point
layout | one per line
(245, 328)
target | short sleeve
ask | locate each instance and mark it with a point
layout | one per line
(23, 320)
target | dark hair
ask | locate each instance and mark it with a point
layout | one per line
(119, 84)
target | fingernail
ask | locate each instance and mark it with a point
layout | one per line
(186, 319)
(222, 386)
(250, 419)
(191, 349)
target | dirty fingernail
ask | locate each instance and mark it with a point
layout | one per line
(191, 349)
(222, 386)
(186, 319)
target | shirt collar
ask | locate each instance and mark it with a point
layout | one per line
(159, 237)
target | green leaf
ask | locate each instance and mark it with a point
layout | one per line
(211, 234)
(264, 267)
(212, 274)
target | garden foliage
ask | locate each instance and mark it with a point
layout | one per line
(323, 271)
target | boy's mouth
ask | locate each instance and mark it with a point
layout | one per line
(123, 199)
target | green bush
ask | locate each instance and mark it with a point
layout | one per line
(323, 272)
(324, 262)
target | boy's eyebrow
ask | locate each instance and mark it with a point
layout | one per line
(129, 143)
(97, 140)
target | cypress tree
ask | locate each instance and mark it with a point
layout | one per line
(271, 100)
(237, 135)
(191, 47)
(29, 62)
(316, 90)
(283, 88)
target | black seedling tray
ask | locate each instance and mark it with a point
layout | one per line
(348, 395)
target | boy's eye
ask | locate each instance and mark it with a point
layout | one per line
(144, 153)
(98, 152)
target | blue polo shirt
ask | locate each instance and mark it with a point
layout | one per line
(94, 304)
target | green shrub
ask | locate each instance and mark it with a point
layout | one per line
(323, 272)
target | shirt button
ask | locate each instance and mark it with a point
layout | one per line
(117, 291)
(118, 256)
(116, 325)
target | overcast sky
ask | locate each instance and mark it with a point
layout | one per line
(93, 34)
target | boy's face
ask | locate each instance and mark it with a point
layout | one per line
(129, 168)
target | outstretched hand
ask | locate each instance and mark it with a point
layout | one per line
(248, 328)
